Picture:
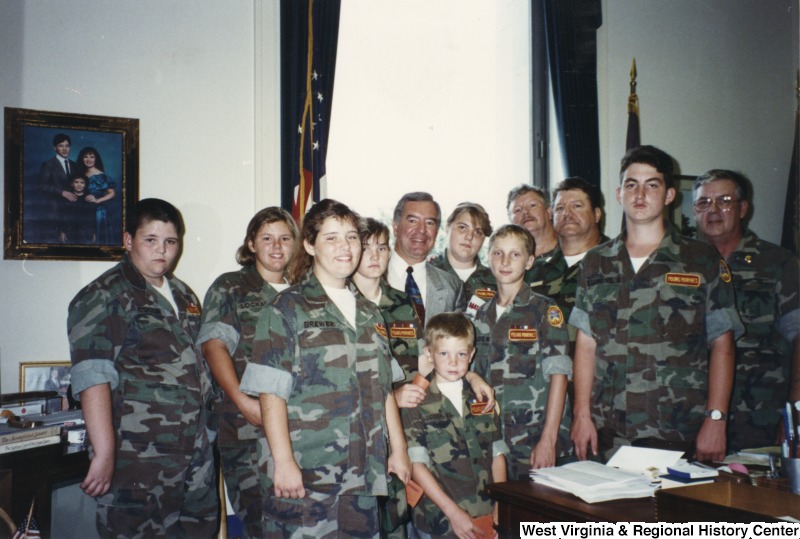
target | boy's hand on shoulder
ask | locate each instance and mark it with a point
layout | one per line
(482, 389)
(409, 396)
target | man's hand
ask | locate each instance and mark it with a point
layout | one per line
(583, 433)
(98, 479)
(69, 196)
(288, 481)
(710, 442)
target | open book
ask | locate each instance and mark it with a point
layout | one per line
(594, 482)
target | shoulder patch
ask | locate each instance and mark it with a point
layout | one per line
(485, 293)
(725, 272)
(554, 316)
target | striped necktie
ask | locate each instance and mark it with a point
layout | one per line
(413, 292)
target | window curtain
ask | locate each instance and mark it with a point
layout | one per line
(309, 37)
(570, 28)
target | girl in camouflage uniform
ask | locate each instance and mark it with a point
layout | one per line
(321, 367)
(232, 306)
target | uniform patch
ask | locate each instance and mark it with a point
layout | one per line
(724, 272)
(193, 310)
(485, 293)
(381, 329)
(403, 331)
(476, 408)
(555, 316)
(682, 279)
(522, 333)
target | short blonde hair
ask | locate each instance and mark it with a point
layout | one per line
(515, 231)
(444, 325)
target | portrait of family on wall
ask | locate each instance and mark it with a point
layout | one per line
(72, 178)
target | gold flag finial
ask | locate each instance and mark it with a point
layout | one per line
(633, 99)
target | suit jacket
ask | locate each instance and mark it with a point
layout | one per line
(445, 292)
(52, 178)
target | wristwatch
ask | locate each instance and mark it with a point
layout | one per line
(716, 415)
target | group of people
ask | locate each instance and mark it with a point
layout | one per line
(73, 209)
(339, 375)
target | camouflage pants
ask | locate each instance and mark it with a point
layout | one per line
(321, 516)
(239, 462)
(162, 495)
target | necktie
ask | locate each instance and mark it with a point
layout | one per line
(413, 292)
(66, 168)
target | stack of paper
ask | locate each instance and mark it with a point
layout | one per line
(594, 482)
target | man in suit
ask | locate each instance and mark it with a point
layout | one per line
(415, 225)
(55, 175)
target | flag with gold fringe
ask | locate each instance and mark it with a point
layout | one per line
(309, 38)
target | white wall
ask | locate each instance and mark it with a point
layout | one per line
(431, 96)
(716, 90)
(185, 69)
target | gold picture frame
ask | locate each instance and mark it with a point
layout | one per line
(45, 219)
(44, 376)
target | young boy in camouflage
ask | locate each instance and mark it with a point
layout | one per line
(522, 352)
(144, 388)
(656, 321)
(455, 447)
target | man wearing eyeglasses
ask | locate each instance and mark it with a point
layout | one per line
(766, 280)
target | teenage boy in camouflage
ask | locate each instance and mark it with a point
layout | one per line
(522, 352)
(456, 449)
(766, 279)
(656, 322)
(144, 388)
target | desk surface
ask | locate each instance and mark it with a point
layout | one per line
(526, 501)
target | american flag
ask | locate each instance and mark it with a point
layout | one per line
(310, 31)
(27, 529)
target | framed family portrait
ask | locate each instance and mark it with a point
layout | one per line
(69, 181)
(44, 376)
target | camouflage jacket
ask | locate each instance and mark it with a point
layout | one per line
(554, 279)
(125, 333)
(653, 330)
(233, 304)
(516, 354)
(403, 328)
(481, 284)
(457, 450)
(766, 280)
(335, 380)
(540, 265)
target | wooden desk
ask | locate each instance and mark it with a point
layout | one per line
(34, 472)
(526, 501)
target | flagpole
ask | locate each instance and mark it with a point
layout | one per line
(28, 522)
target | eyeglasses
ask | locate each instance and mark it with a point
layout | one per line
(723, 203)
